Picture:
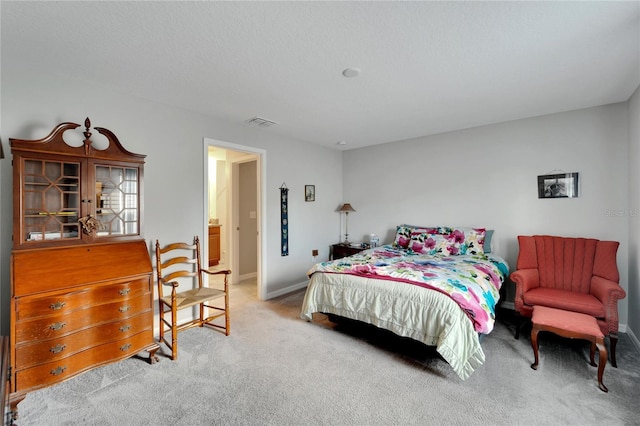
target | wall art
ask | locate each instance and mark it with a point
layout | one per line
(309, 192)
(559, 185)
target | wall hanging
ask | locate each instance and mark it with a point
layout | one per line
(558, 185)
(284, 221)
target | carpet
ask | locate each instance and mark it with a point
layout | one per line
(276, 369)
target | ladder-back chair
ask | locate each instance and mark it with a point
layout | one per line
(179, 266)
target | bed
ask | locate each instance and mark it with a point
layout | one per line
(437, 285)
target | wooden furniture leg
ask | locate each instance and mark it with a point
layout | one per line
(518, 320)
(613, 341)
(599, 341)
(534, 345)
(592, 352)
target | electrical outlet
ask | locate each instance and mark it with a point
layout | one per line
(314, 252)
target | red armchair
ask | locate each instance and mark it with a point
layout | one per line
(573, 274)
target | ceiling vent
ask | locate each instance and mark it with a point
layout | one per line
(261, 122)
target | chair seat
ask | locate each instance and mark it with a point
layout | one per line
(193, 297)
(566, 300)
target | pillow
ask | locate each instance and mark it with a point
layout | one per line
(431, 244)
(447, 241)
(451, 244)
(471, 239)
(487, 240)
(487, 236)
(403, 234)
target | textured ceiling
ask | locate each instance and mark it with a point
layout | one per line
(426, 67)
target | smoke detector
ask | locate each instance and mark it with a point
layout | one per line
(261, 122)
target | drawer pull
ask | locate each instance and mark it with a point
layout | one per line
(57, 349)
(124, 328)
(57, 325)
(58, 371)
(125, 347)
(57, 306)
(124, 291)
(124, 308)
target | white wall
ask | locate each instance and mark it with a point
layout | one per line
(633, 294)
(487, 177)
(33, 103)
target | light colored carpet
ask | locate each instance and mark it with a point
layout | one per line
(276, 369)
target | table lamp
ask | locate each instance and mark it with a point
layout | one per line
(346, 209)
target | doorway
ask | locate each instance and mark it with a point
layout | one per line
(234, 202)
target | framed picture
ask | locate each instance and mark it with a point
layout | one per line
(309, 192)
(562, 185)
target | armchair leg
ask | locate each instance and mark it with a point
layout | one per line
(613, 341)
(522, 323)
(518, 321)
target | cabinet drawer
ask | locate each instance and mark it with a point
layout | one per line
(33, 353)
(56, 371)
(63, 324)
(32, 306)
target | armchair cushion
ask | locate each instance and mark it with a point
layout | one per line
(565, 300)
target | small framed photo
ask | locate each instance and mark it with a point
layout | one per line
(309, 192)
(562, 185)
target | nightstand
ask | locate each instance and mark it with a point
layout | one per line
(341, 250)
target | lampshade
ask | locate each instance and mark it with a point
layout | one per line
(346, 208)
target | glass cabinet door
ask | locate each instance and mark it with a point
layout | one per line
(51, 200)
(117, 200)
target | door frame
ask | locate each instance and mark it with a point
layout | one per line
(261, 173)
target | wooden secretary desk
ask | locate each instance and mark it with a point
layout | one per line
(81, 276)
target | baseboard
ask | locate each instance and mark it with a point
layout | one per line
(508, 305)
(248, 276)
(634, 338)
(287, 290)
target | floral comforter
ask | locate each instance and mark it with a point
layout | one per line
(472, 281)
